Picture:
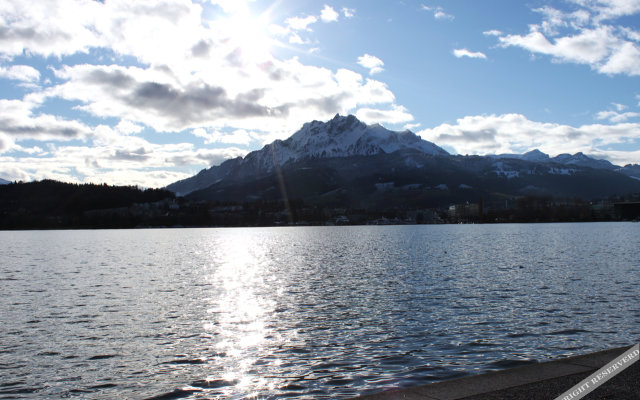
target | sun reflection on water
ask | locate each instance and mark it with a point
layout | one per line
(239, 313)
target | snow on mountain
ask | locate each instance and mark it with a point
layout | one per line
(561, 171)
(4, 182)
(631, 170)
(535, 156)
(578, 159)
(501, 169)
(582, 160)
(340, 137)
(347, 136)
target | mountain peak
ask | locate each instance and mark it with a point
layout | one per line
(583, 160)
(342, 136)
(345, 136)
(535, 155)
(340, 124)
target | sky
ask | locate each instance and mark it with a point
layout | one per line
(149, 92)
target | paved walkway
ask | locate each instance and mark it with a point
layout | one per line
(532, 382)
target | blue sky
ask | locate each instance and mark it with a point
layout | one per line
(146, 93)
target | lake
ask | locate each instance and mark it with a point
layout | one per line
(305, 312)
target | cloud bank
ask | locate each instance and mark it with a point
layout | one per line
(514, 133)
(162, 68)
(586, 36)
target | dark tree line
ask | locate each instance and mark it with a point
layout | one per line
(53, 204)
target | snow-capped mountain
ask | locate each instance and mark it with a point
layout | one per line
(582, 160)
(632, 170)
(347, 136)
(578, 159)
(533, 155)
(339, 137)
(342, 136)
(346, 163)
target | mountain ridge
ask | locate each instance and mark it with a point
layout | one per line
(342, 136)
(344, 161)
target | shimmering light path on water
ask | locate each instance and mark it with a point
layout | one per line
(319, 312)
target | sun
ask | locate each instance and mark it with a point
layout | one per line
(249, 37)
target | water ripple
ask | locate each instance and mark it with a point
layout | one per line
(305, 313)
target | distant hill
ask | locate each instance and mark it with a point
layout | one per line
(345, 163)
(4, 182)
(49, 203)
(578, 159)
(632, 170)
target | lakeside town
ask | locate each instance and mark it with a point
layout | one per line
(55, 205)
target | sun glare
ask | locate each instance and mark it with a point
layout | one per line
(249, 36)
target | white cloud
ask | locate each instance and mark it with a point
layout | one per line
(214, 77)
(589, 46)
(277, 30)
(618, 157)
(18, 122)
(30, 150)
(614, 116)
(412, 126)
(438, 12)
(619, 107)
(239, 136)
(583, 36)
(300, 23)
(117, 158)
(64, 27)
(395, 115)
(514, 133)
(493, 32)
(348, 12)
(328, 14)
(205, 74)
(466, 53)
(46, 29)
(291, 93)
(6, 143)
(130, 94)
(294, 26)
(610, 9)
(24, 73)
(372, 63)
(231, 6)
(294, 38)
(127, 127)
(624, 60)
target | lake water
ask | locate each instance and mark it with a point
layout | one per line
(304, 312)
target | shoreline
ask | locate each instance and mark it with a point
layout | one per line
(545, 380)
(151, 227)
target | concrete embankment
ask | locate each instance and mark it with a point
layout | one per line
(532, 382)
